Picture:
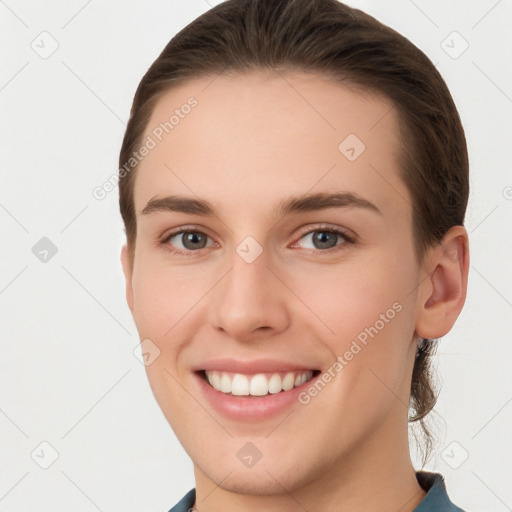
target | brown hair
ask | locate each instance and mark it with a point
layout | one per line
(353, 48)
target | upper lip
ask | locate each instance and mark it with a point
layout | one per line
(251, 367)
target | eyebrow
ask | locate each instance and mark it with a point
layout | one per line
(311, 202)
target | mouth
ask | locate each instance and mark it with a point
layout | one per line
(253, 390)
(258, 384)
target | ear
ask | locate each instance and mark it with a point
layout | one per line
(128, 272)
(443, 292)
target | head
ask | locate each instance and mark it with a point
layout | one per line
(274, 100)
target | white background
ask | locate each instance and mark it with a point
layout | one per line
(68, 373)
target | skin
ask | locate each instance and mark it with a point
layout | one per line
(252, 141)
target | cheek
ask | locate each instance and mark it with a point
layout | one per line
(364, 314)
(348, 297)
(163, 296)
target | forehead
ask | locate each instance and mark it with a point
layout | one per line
(246, 141)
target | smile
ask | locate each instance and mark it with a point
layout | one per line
(259, 384)
(252, 390)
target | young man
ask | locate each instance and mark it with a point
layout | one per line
(293, 182)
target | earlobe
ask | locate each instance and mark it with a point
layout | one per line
(128, 273)
(443, 292)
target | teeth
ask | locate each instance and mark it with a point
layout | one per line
(240, 385)
(274, 384)
(225, 384)
(288, 381)
(260, 384)
(215, 381)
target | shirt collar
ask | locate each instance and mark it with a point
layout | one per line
(437, 498)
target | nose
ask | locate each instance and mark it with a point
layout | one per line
(250, 301)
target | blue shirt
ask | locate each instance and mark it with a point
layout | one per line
(436, 499)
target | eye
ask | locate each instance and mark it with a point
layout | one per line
(186, 241)
(321, 239)
(325, 239)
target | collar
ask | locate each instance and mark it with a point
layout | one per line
(437, 498)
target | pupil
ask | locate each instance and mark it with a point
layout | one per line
(193, 238)
(324, 239)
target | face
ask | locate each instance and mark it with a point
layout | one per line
(275, 279)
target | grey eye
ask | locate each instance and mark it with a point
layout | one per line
(190, 240)
(323, 239)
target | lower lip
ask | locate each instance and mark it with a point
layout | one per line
(251, 408)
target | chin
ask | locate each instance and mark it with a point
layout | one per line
(252, 484)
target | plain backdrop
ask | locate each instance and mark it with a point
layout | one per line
(74, 397)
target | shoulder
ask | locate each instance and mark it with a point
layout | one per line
(437, 497)
(186, 503)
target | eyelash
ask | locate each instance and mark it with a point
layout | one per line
(326, 229)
